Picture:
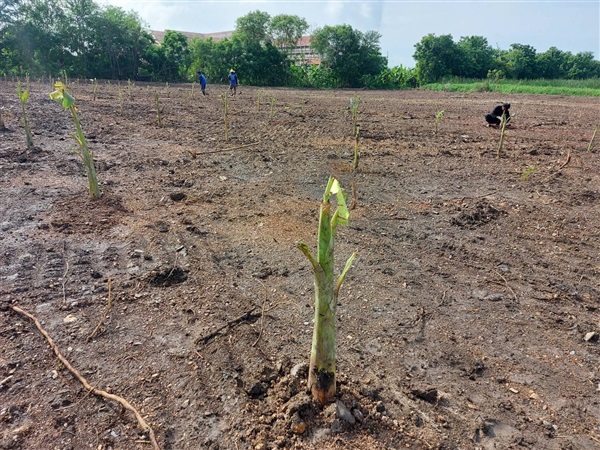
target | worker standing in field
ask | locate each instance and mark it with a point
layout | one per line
(494, 118)
(233, 82)
(202, 81)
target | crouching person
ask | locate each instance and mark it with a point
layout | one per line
(494, 119)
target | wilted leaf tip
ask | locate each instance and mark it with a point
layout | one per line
(61, 95)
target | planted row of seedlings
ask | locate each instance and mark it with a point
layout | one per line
(322, 371)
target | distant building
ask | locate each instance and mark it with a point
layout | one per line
(159, 35)
(301, 54)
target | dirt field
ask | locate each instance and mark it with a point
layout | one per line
(470, 319)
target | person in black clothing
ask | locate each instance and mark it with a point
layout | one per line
(495, 117)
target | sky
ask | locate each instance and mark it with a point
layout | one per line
(569, 25)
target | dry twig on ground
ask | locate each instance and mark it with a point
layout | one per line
(104, 314)
(142, 423)
(194, 154)
(562, 166)
(247, 316)
(508, 286)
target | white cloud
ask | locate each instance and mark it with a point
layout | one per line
(366, 10)
(160, 16)
(333, 11)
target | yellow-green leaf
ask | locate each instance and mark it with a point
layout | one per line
(342, 276)
(342, 213)
(61, 95)
(56, 95)
(335, 186)
(67, 100)
(79, 141)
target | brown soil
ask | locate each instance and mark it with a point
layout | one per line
(462, 324)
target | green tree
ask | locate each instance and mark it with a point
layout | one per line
(37, 38)
(398, 77)
(437, 57)
(227, 55)
(204, 56)
(256, 63)
(476, 57)
(583, 65)
(521, 62)
(9, 57)
(120, 44)
(263, 65)
(154, 64)
(249, 51)
(286, 30)
(177, 56)
(78, 37)
(253, 27)
(77, 34)
(349, 54)
(8, 11)
(552, 64)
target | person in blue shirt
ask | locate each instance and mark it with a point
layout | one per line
(233, 82)
(202, 81)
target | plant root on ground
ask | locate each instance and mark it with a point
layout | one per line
(142, 423)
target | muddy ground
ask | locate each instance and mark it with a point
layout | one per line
(469, 320)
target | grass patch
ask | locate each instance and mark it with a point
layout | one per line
(589, 87)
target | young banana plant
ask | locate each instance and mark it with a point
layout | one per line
(67, 101)
(321, 377)
(23, 97)
(504, 120)
(591, 144)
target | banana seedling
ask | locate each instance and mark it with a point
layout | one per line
(23, 97)
(67, 101)
(439, 115)
(272, 102)
(130, 87)
(121, 100)
(95, 87)
(354, 105)
(591, 144)
(158, 109)
(504, 120)
(321, 377)
(225, 100)
(356, 150)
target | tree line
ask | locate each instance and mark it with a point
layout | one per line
(439, 57)
(82, 39)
